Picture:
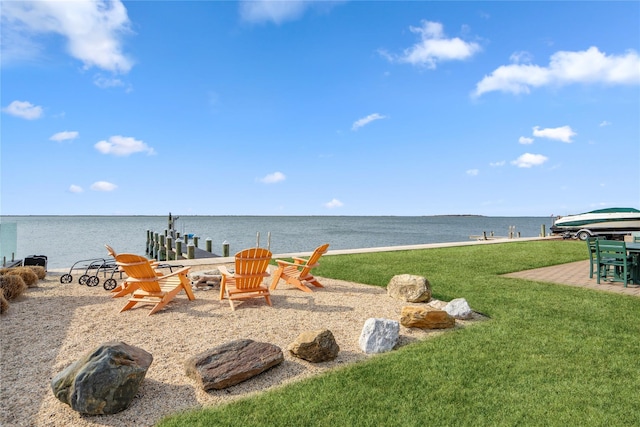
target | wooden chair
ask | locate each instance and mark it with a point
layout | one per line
(298, 272)
(126, 287)
(246, 282)
(613, 262)
(593, 258)
(149, 287)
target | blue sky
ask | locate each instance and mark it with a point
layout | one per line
(319, 108)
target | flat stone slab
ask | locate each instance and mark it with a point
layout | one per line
(232, 363)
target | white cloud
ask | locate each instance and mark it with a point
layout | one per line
(24, 110)
(366, 120)
(605, 123)
(334, 203)
(103, 186)
(434, 47)
(563, 133)
(473, 172)
(93, 29)
(588, 66)
(497, 164)
(64, 136)
(75, 189)
(528, 160)
(106, 82)
(278, 11)
(123, 146)
(525, 141)
(521, 57)
(272, 178)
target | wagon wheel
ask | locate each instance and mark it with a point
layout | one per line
(93, 281)
(109, 284)
(66, 278)
(83, 279)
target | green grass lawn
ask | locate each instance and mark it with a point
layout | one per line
(550, 355)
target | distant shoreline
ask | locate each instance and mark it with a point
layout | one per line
(278, 216)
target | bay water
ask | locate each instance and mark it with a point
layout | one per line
(66, 240)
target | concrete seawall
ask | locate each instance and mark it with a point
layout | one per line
(230, 259)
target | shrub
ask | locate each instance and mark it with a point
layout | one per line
(4, 304)
(39, 270)
(12, 285)
(29, 277)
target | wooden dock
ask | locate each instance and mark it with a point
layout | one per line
(170, 245)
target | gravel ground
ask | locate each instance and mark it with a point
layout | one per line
(52, 325)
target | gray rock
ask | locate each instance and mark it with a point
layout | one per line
(315, 346)
(103, 381)
(202, 279)
(232, 363)
(459, 308)
(379, 335)
(409, 288)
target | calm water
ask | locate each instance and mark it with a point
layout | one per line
(67, 239)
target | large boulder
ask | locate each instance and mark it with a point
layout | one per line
(232, 363)
(459, 308)
(104, 381)
(409, 288)
(379, 335)
(426, 318)
(315, 346)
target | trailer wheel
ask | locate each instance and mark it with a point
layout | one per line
(93, 281)
(66, 278)
(83, 279)
(583, 235)
(109, 284)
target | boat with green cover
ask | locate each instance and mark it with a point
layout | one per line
(601, 221)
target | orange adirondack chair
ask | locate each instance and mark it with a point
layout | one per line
(149, 287)
(246, 282)
(298, 272)
(126, 287)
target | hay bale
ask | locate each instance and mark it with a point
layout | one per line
(4, 304)
(28, 275)
(12, 286)
(39, 270)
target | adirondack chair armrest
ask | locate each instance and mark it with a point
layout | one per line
(183, 270)
(282, 263)
(299, 260)
(223, 270)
